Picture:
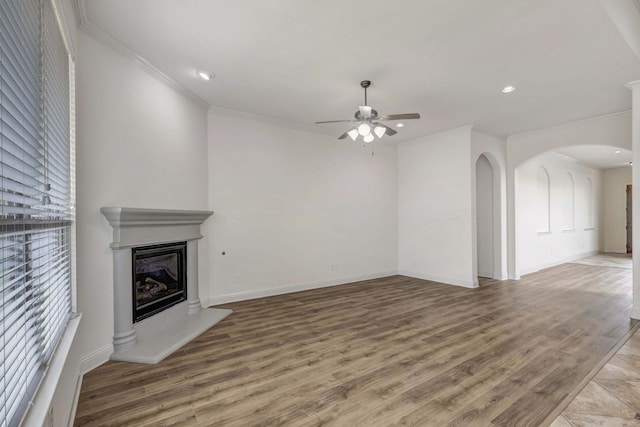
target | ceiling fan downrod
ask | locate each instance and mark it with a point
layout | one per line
(365, 84)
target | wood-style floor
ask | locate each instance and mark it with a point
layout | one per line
(388, 352)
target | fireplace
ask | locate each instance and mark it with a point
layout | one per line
(159, 278)
(159, 249)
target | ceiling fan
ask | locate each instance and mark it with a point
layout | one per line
(369, 121)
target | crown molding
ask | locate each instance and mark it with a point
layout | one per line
(461, 129)
(272, 121)
(487, 132)
(635, 84)
(94, 31)
(570, 124)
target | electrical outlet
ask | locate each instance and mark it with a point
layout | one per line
(333, 266)
(237, 277)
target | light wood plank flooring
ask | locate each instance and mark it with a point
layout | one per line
(612, 397)
(388, 352)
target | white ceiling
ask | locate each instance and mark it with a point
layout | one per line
(598, 156)
(302, 61)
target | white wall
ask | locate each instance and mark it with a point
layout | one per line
(435, 208)
(139, 144)
(615, 183)
(570, 235)
(296, 209)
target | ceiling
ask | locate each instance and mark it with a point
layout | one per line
(301, 61)
(598, 156)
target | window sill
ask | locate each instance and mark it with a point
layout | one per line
(569, 230)
(589, 228)
(543, 233)
(37, 414)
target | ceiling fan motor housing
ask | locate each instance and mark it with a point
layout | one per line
(374, 115)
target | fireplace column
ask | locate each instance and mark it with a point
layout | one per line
(192, 277)
(124, 335)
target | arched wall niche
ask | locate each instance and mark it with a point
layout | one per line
(490, 225)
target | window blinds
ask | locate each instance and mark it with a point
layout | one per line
(35, 182)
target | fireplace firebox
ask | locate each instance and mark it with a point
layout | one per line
(159, 278)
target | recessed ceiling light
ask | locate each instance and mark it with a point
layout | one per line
(630, 163)
(400, 125)
(205, 75)
(508, 89)
(617, 152)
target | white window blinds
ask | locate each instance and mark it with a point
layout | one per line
(35, 184)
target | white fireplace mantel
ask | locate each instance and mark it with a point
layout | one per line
(154, 338)
(137, 226)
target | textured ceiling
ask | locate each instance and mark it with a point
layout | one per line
(300, 61)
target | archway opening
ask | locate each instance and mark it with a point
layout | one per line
(569, 204)
(485, 218)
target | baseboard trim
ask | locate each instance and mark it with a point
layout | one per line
(439, 279)
(87, 363)
(486, 274)
(95, 359)
(532, 270)
(260, 293)
(575, 257)
(501, 276)
(74, 404)
(635, 314)
(557, 262)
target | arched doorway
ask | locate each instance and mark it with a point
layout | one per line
(485, 215)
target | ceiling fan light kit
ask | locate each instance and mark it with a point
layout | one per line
(370, 125)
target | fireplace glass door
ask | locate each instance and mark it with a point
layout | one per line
(159, 278)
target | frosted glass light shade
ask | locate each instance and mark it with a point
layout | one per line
(368, 137)
(353, 134)
(364, 129)
(379, 131)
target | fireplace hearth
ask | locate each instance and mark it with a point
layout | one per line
(159, 278)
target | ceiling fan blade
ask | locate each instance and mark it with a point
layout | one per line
(389, 131)
(408, 116)
(334, 121)
(344, 135)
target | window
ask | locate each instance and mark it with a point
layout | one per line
(35, 204)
